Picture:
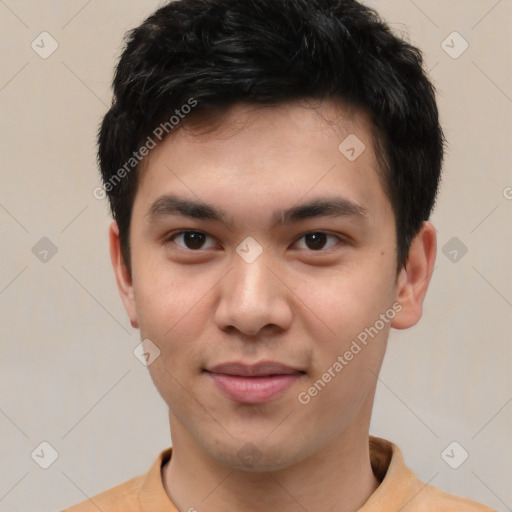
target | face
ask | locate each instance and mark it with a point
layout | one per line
(263, 242)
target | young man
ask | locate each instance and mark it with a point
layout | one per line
(271, 167)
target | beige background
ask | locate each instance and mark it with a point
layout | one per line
(68, 374)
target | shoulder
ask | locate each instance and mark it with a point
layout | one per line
(433, 498)
(401, 488)
(125, 495)
(133, 495)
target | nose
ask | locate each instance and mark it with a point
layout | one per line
(252, 297)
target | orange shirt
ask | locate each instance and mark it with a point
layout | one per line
(399, 490)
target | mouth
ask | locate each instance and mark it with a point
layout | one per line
(254, 384)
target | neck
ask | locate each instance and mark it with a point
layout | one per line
(339, 473)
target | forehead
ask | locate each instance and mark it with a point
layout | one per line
(266, 155)
(289, 120)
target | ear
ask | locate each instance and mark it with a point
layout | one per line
(123, 278)
(413, 280)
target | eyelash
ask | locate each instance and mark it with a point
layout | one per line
(175, 234)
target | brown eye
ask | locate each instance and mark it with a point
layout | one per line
(191, 240)
(316, 240)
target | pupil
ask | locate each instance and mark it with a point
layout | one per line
(317, 238)
(194, 238)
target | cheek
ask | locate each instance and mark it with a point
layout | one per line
(171, 315)
(348, 339)
(170, 310)
(165, 293)
(346, 324)
(345, 301)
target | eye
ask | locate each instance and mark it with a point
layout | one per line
(192, 240)
(316, 240)
(195, 240)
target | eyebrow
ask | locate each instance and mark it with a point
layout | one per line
(334, 206)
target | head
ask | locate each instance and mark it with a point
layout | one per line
(243, 116)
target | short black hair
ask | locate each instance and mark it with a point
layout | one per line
(198, 54)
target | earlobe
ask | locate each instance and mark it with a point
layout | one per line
(414, 279)
(122, 274)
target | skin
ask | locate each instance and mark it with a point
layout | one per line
(298, 303)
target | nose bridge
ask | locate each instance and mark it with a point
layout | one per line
(251, 288)
(250, 295)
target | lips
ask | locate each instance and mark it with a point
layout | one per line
(252, 384)
(263, 368)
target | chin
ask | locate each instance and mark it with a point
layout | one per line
(257, 457)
